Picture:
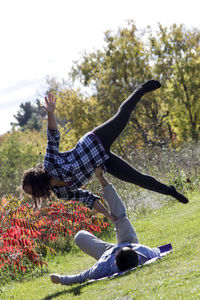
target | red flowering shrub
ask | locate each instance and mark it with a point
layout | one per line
(26, 234)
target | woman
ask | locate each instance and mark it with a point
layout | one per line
(65, 173)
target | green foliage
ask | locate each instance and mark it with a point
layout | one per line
(167, 116)
(30, 116)
(112, 75)
(24, 114)
(176, 54)
(176, 276)
(18, 152)
(79, 114)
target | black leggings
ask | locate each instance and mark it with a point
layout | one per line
(109, 131)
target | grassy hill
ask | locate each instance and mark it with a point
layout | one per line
(176, 276)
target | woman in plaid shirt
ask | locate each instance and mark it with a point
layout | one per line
(65, 173)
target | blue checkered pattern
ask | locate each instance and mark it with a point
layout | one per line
(75, 166)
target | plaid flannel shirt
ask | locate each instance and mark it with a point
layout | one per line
(75, 166)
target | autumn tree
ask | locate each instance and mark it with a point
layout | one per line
(112, 74)
(75, 114)
(176, 54)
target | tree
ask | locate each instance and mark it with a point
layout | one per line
(129, 58)
(18, 152)
(176, 53)
(113, 74)
(75, 114)
(24, 114)
(30, 116)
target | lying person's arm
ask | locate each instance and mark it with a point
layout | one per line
(70, 279)
(94, 272)
(148, 253)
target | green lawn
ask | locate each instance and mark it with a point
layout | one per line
(176, 276)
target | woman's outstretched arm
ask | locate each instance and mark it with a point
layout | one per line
(50, 108)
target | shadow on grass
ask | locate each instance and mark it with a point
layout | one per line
(74, 290)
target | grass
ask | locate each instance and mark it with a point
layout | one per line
(176, 276)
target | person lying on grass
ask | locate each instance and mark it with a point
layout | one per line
(65, 173)
(111, 258)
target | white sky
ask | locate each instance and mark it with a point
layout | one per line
(41, 38)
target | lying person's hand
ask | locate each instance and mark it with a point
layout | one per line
(55, 278)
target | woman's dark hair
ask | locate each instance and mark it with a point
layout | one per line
(39, 181)
(126, 259)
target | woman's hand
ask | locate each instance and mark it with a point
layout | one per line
(98, 171)
(101, 209)
(50, 107)
(99, 174)
(111, 218)
(50, 104)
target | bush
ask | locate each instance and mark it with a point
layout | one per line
(28, 235)
(18, 151)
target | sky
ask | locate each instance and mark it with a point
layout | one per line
(42, 38)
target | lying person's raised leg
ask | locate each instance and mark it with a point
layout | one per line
(90, 244)
(124, 229)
